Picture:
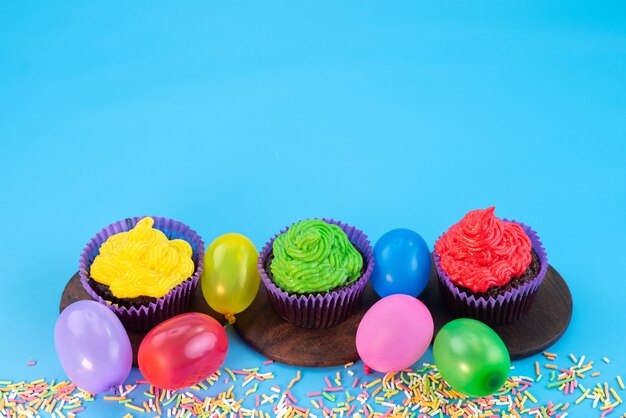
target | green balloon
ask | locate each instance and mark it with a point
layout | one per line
(471, 357)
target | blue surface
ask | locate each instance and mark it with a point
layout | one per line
(247, 116)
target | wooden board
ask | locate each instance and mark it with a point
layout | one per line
(275, 338)
(281, 341)
(544, 323)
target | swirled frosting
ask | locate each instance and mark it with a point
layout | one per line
(142, 262)
(482, 251)
(314, 256)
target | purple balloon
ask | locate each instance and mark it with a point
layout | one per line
(93, 346)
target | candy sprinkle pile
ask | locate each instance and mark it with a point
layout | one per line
(252, 392)
(23, 399)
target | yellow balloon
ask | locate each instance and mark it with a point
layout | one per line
(230, 279)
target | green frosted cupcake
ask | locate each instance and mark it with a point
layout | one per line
(315, 271)
(314, 257)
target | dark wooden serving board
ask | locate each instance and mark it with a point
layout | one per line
(281, 341)
(285, 342)
(544, 323)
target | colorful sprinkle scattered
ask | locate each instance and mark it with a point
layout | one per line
(295, 379)
(248, 393)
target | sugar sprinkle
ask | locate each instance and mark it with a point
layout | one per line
(251, 392)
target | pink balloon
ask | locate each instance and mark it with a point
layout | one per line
(394, 333)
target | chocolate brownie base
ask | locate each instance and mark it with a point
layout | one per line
(531, 272)
(105, 292)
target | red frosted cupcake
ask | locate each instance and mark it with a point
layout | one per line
(489, 268)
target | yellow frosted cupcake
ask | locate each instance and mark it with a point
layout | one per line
(145, 269)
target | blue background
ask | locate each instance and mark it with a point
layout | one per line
(247, 116)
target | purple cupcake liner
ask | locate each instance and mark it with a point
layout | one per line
(503, 309)
(175, 302)
(322, 310)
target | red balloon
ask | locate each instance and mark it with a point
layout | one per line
(182, 351)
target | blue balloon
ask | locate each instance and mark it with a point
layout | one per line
(402, 264)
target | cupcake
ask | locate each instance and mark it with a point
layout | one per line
(489, 268)
(315, 272)
(144, 269)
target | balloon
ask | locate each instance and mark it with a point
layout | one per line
(402, 264)
(93, 346)
(230, 279)
(471, 357)
(182, 351)
(394, 333)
